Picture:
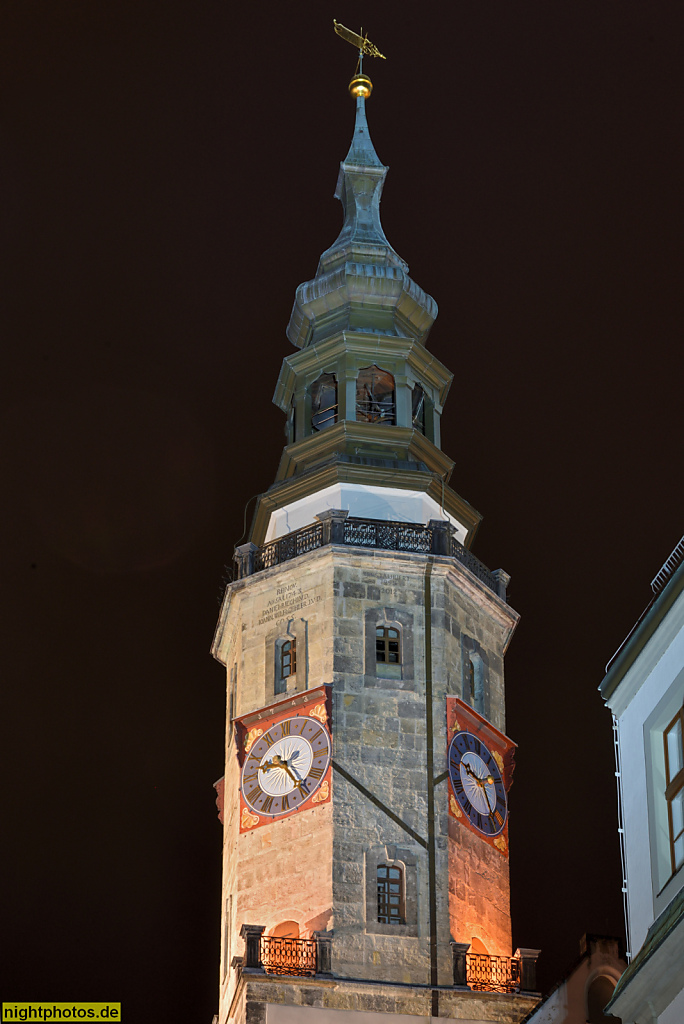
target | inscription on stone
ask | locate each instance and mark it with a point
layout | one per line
(393, 580)
(286, 601)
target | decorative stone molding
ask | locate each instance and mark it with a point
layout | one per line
(459, 950)
(528, 968)
(392, 856)
(323, 954)
(378, 673)
(502, 580)
(244, 558)
(252, 933)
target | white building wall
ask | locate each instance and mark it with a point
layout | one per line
(391, 503)
(674, 1014)
(660, 666)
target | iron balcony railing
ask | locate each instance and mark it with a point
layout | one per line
(274, 954)
(338, 527)
(480, 972)
(486, 973)
(288, 956)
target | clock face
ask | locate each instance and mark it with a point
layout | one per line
(285, 766)
(477, 783)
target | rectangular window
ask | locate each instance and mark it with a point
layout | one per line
(674, 790)
(288, 659)
(387, 645)
(391, 904)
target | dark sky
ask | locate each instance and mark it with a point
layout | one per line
(166, 180)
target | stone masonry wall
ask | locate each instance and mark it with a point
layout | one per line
(318, 867)
(281, 871)
(381, 740)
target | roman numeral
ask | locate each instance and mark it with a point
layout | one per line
(285, 804)
(319, 732)
(316, 773)
(267, 804)
(252, 795)
(252, 777)
(285, 726)
(499, 819)
(268, 739)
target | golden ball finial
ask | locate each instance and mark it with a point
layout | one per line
(362, 86)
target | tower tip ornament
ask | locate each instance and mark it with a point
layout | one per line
(360, 86)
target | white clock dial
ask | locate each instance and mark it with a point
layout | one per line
(285, 764)
(478, 783)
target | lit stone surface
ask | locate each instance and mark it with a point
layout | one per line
(271, 1000)
(311, 867)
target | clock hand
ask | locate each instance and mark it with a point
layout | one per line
(299, 783)
(279, 762)
(482, 783)
(472, 774)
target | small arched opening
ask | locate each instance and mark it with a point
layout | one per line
(598, 994)
(375, 396)
(285, 930)
(324, 401)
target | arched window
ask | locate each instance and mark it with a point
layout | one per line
(375, 402)
(388, 645)
(324, 401)
(391, 898)
(418, 408)
(600, 992)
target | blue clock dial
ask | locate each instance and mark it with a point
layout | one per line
(477, 783)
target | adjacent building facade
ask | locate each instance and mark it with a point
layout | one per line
(367, 766)
(644, 689)
(580, 997)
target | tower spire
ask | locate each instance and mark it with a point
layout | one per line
(362, 151)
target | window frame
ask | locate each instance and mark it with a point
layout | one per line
(674, 785)
(383, 644)
(407, 860)
(385, 895)
(286, 648)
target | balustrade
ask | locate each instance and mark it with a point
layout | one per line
(338, 527)
(486, 973)
(288, 956)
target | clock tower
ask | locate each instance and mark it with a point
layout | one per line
(367, 766)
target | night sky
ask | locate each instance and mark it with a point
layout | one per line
(166, 181)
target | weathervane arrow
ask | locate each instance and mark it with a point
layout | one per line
(362, 43)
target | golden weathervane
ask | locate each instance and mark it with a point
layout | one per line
(360, 85)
